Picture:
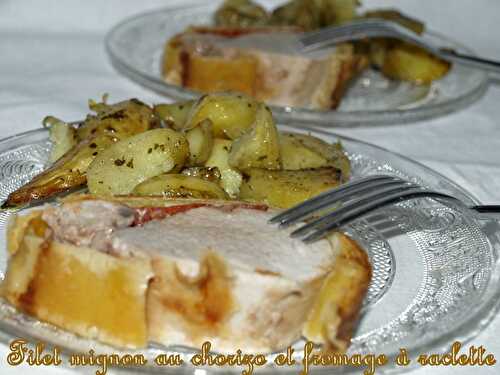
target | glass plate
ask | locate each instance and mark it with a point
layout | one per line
(135, 47)
(435, 269)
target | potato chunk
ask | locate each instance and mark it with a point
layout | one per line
(231, 115)
(230, 177)
(302, 151)
(211, 174)
(395, 16)
(66, 173)
(175, 114)
(200, 139)
(122, 119)
(410, 63)
(180, 186)
(258, 147)
(120, 168)
(283, 189)
(62, 136)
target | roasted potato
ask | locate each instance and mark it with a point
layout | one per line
(240, 13)
(302, 13)
(400, 60)
(314, 14)
(122, 119)
(211, 174)
(175, 114)
(180, 186)
(297, 154)
(377, 50)
(395, 16)
(334, 12)
(121, 167)
(411, 63)
(62, 135)
(201, 140)
(230, 177)
(259, 147)
(231, 115)
(302, 151)
(279, 169)
(283, 189)
(67, 173)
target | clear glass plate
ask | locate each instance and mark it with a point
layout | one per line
(436, 270)
(135, 47)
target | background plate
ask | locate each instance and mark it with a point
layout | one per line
(435, 269)
(135, 47)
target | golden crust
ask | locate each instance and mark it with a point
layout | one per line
(79, 289)
(334, 314)
(16, 228)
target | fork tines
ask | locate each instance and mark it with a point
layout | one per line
(337, 207)
(358, 30)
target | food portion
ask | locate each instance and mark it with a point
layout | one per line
(76, 147)
(261, 63)
(400, 60)
(221, 146)
(171, 242)
(132, 270)
(252, 51)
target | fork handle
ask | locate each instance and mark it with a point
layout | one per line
(492, 211)
(472, 61)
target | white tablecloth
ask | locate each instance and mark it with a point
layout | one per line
(52, 61)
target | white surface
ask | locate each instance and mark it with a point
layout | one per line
(52, 61)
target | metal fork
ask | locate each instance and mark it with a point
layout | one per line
(374, 27)
(359, 197)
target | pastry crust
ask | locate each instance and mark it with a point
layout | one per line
(79, 289)
(128, 299)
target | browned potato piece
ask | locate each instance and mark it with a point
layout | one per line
(311, 14)
(211, 174)
(377, 49)
(62, 136)
(230, 177)
(180, 186)
(335, 12)
(67, 173)
(201, 140)
(174, 114)
(302, 151)
(283, 189)
(240, 13)
(231, 115)
(124, 165)
(110, 124)
(398, 17)
(258, 147)
(122, 119)
(410, 63)
(295, 154)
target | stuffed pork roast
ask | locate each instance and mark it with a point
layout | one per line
(261, 62)
(129, 271)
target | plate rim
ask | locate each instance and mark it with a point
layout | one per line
(328, 119)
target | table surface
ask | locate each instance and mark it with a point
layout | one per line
(52, 61)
